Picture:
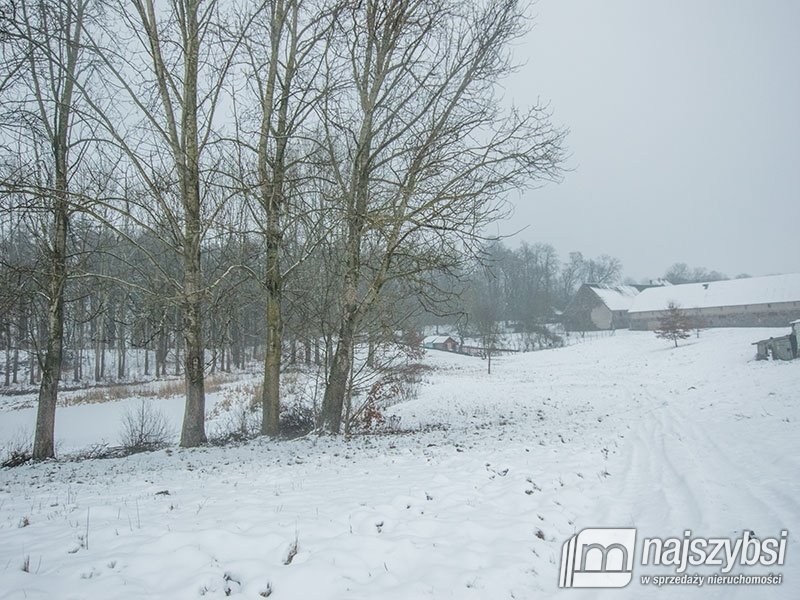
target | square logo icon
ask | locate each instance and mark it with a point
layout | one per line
(598, 558)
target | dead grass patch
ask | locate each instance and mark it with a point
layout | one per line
(158, 390)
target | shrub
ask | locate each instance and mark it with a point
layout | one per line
(238, 414)
(17, 451)
(144, 428)
(15, 458)
(296, 419)
(372, 416)
(97, 451)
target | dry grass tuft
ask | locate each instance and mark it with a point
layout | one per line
(159, 390)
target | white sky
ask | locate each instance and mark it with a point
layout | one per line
(685, 132)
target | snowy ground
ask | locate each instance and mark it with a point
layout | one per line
(619, 432)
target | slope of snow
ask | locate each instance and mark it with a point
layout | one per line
(620, 432)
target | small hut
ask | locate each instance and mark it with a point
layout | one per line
(779, 348)
(440, 342)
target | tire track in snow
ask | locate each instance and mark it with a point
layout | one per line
(747, 489)
(652, 488)
(674, 474)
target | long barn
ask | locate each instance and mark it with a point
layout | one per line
(771, 301)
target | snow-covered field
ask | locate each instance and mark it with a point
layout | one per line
(623, 431)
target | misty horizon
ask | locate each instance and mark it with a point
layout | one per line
(687, 148)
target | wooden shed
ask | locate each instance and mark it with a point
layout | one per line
(777, 348)
(440, 342)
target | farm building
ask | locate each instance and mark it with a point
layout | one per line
(441, 342)
(778, 348)
(753, 302)
(598, 306)
(784, 347)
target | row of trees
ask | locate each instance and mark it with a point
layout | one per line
(195, 172)
(528, 285)
(683, 273)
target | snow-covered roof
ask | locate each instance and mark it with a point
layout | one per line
(616, 297)
(733, 292)
(436, 339)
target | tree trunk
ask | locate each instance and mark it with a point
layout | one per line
(44, 439)
(77, 371)
(193, 432)
(17, 343)
(7, 371)
(328, 356)
(333, 400)
(121, 349)
(214, 344)
(102, 351)
(177, 354)
(15, 366)
(235, 346)
(371, 352)
(43, 443)
(270, 402)
(98, 347)
(31, 365)
(272, 354)
(161, 354)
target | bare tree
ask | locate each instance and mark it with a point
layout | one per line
(604, 269)
(168, 66)
(285, 52)
(42, 107)
(683, 273)
(484, 312)
(421, 154)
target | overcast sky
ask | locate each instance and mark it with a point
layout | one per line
(685, 132)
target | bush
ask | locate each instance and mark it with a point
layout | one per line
(15, 457)
(243, 422)
(237, 414)
(144, 428)
(296, 420)
(97, 451)
(398, 386)
(17, 451)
